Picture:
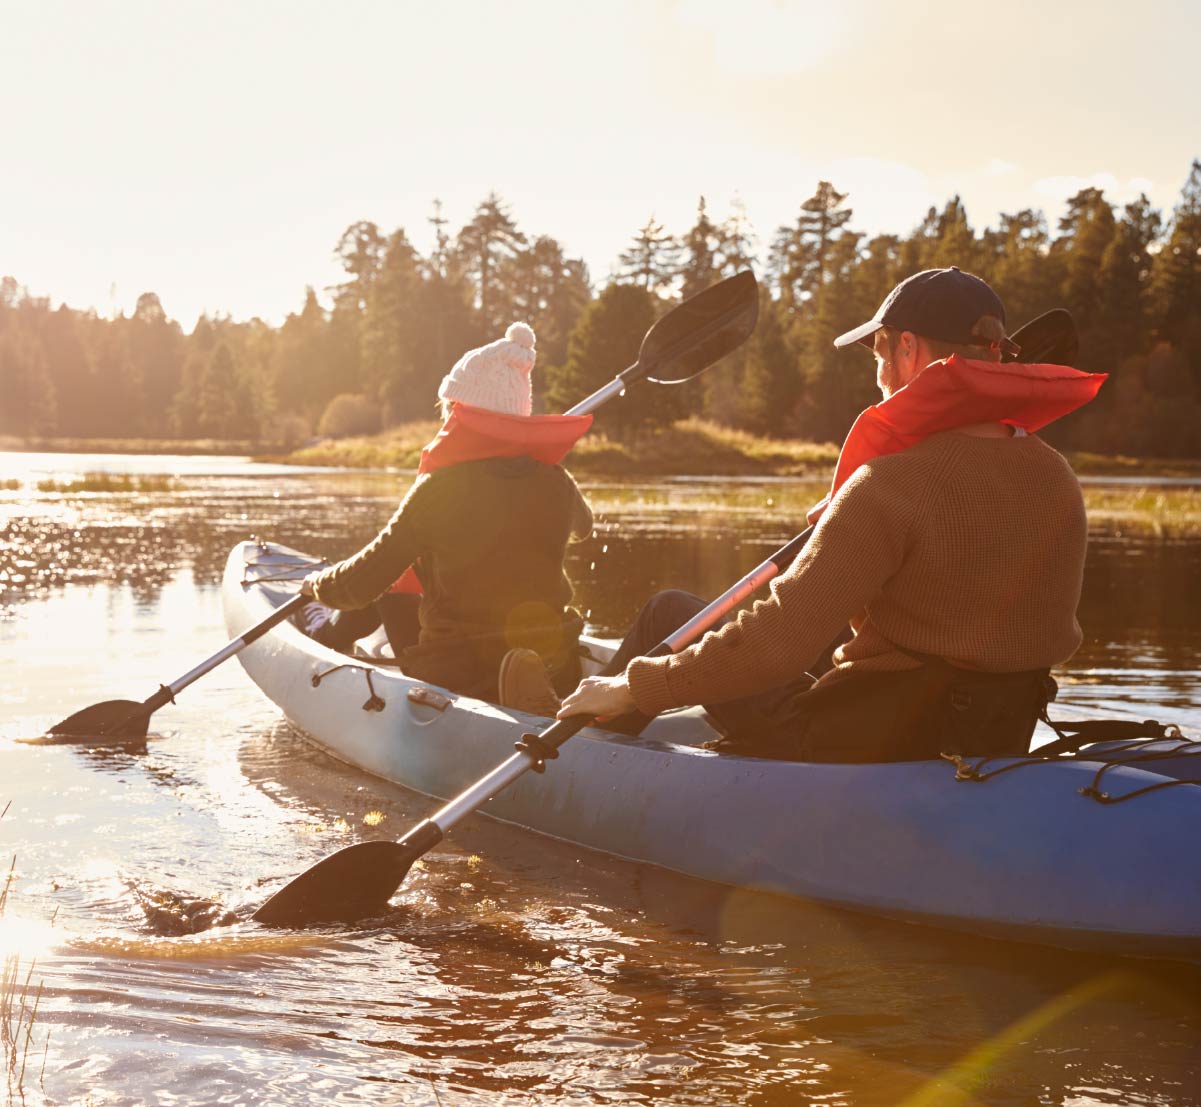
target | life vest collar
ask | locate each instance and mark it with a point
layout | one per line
(474, 434)
(961, 392)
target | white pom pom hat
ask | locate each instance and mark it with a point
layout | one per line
(496, 376)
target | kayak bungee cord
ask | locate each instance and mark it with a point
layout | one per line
(1152, 735)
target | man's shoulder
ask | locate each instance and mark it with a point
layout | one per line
(950, 456)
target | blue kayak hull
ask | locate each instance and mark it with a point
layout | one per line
(1021, 855)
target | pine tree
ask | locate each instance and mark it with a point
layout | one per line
(737, 243)
(1120, 328)
(1176, 281)
(700, 254)
(389, 335)
(652, 260)
(954, 241)
(770, 383)
(483, 245)
(223, 405)
(154, 353)
(836, 383)
(1020, 268)
(67, 341)
(548, 290)
(1085, 232)
(361, 251)
(299, 373)
(28, 400)
(800, 253)
(439, 259)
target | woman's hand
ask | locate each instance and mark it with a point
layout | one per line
(602, 697)
(306, 585)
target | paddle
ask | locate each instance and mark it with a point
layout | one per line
(359, 880)
(1049, 338)
(127, 719)
(689, 338)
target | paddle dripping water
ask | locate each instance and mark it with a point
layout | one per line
(516, 969)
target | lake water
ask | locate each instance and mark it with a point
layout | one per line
(517, 970)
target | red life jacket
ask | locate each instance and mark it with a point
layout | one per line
(959, 392)
(474, 434)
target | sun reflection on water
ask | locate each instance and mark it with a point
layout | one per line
(26, 938)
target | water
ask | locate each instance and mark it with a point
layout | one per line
(515, 969)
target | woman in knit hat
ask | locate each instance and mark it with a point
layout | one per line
(481, 536)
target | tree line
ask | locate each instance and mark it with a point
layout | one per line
(372, 355)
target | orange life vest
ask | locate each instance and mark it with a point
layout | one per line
(960, 392)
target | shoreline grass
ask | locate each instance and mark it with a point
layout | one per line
(689, 447)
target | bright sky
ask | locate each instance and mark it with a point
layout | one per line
(214, 151)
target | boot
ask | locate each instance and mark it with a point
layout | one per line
(524, 684)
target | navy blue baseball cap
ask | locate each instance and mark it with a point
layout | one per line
(942, 304)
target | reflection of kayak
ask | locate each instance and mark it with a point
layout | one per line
(1022, 854)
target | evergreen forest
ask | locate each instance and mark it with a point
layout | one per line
(370, 352)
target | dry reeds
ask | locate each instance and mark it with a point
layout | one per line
(19, 1000)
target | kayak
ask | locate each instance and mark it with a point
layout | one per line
(1096, 851)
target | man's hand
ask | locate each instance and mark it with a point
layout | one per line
(602, 697)
(306, 585)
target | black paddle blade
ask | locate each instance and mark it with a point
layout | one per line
(354, 883)
(110, 719)
(1050, 338)
(701, 331)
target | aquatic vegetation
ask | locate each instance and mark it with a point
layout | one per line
(19, 1000)
(9, 485)
(1173, 512)
(110, 482)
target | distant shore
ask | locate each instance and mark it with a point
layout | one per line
(689, 447)
(159, 446)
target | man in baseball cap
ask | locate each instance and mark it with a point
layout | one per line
(952, 543)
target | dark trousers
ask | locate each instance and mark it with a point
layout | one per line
(396, 611)
(759, 716)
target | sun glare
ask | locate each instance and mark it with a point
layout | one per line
(26, 939)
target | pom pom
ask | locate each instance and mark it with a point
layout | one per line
(522, 334)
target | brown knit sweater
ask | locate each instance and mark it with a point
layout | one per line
(966, 547)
